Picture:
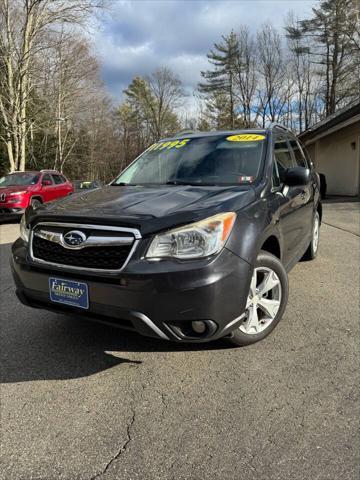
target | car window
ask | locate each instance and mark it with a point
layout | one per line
(57, 179)
(46, 177)
(63, 179)
(282, 154)
(298, 154)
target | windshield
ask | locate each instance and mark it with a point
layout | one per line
(19, 179)
(213, 160)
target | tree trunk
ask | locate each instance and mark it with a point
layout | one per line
(24, 86)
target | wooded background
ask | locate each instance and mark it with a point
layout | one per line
(55, 111)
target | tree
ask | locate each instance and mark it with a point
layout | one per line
(154, 99)
(273, 90)
(24, 25)
(220, 82)
(247, 76)
(167, 91)
(216, 114)
(303, 72)
(333, 31)
(148, 112)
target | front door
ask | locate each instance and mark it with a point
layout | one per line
(293, 201)
(48, 189)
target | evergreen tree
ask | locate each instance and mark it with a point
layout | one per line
(154, 100)
(334, 34)
(220, 82)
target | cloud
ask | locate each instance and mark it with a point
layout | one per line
(136, 37)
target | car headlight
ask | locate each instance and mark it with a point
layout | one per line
(24, 230)
(196, 240)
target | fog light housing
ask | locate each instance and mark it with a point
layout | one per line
(192, 330)
(198, 326)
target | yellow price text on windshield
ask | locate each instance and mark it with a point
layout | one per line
(246, 137)
(169, 145)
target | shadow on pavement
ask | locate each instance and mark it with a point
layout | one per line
(56, 347)
(9, 221)
(336, 199)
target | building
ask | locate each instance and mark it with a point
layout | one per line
(334, 146)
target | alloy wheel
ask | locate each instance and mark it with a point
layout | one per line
(263, 301)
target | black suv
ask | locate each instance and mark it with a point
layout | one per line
(192, 242)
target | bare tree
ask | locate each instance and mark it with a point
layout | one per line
(24, 24)
(247, 76)
(154, 100)
(167, 90)
(271, 94)
(332, 34)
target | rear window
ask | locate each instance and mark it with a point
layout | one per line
(298, 154)
(213, 160)
(58, 179)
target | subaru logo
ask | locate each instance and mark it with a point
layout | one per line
(2, 197)
(74, 238)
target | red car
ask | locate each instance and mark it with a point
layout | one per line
(20, 189)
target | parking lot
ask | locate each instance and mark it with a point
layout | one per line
(85, 401)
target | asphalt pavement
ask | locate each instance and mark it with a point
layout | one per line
(81, 401)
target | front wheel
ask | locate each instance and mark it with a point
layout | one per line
(266, 301)
(35, 203)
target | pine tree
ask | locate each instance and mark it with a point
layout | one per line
(220, 82)
(334, 34)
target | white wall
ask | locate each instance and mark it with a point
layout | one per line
(335, 157)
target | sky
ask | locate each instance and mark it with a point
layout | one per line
(135, 37)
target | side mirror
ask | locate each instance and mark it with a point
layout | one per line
(46, 183)
(296, 176)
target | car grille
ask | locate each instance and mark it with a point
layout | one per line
(102, 257)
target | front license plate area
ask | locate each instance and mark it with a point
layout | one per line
(69, 292)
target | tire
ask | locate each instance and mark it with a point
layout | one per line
(35, 203)
(269, 307)
(312, 250)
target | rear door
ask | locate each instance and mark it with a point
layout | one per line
(293, 215)
(61, 188)
(48, 192)
(69, 187)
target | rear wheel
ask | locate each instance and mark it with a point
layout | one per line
(266, 301)
(312, 250)
(35, 203)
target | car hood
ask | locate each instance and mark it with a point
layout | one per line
(13, 188)
(148, 208)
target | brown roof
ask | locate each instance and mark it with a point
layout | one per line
(336, 118)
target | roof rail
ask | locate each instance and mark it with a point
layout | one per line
(278, 125)
(48, 170)
(186, 132)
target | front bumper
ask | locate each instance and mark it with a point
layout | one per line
(155, 299)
